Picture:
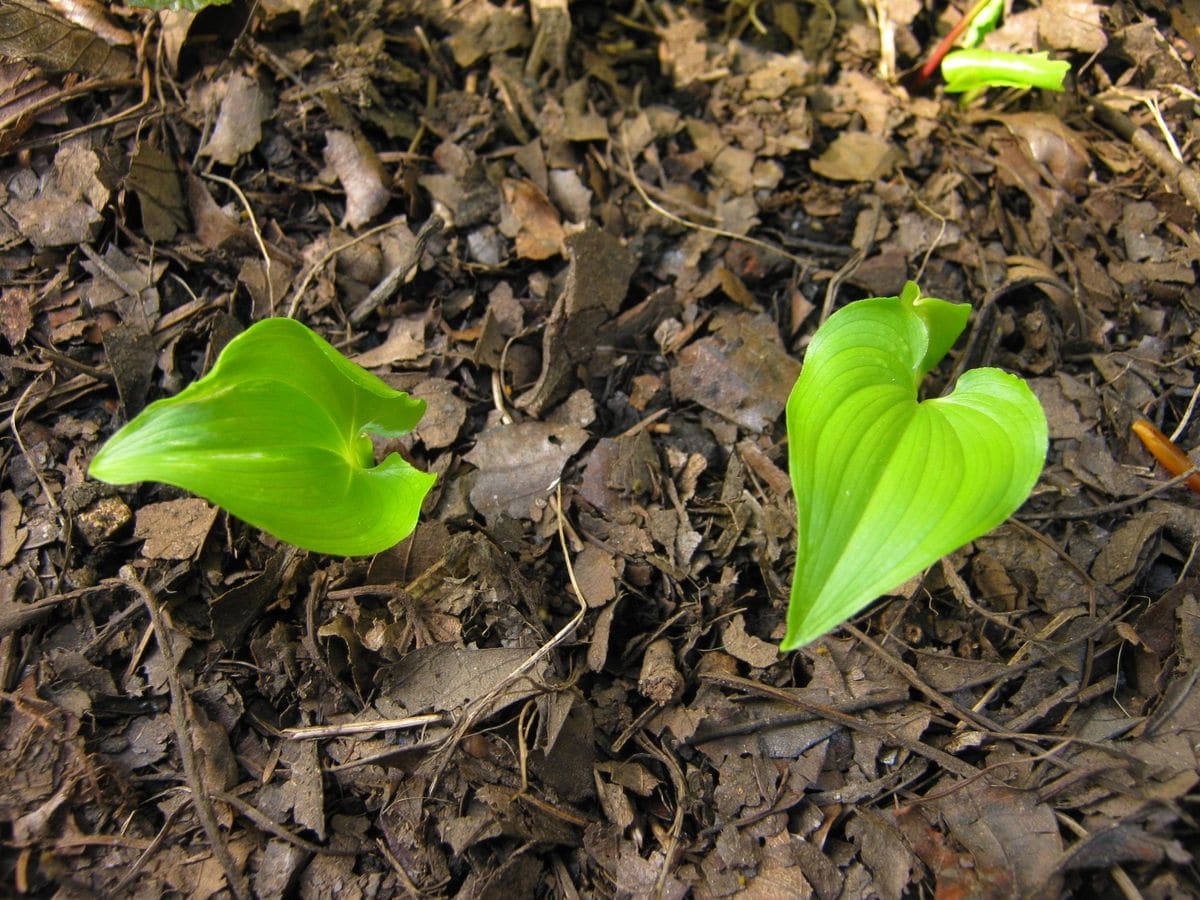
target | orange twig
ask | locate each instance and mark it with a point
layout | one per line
(1166, 451)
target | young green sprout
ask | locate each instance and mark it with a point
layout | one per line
(885, 485)
(973, 70)
(276, 434)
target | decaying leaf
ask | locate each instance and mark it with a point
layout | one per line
(740, 372)
(174, 529)
(155, 179)
(361, 174)
(520, 465)
(597, 281)
(855, 156)
(239, 124)
(33, 31)
(447, 677)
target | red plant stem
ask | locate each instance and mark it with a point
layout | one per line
(1166, 451)
(939, 52)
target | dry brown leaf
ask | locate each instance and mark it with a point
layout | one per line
(446, 677)
(93, 16)
(34, 32)
(746, 647)
(57, 209)
(445, 413)
(16, 314)
(538, 232)
(519, 466)
(154, 177)
(597, 281)
(174, 529)
(741, 372)
(596, 572)
(361, 174)
(855, 156)
(239, 124)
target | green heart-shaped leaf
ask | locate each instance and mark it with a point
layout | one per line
(886, 485)
(275, 434)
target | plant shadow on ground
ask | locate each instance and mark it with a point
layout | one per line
(645, 211)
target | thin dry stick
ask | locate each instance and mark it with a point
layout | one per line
(262, 245)
(330, 254)
(633, 179)
(140, 863)
(1111, 507)
(12, 422)
(266, 823)
(1123, 881)
(375, 726)
(881, 732)
(851, 265)
(187, 753)
(482, 705)
(1187, 415)
(1187, 178)
(681, 793)
(383, 291)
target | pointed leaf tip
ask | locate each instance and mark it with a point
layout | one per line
(886, 485)
(275, 435)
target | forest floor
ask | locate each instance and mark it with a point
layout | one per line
(645, 211)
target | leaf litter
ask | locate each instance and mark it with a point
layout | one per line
(642, 214)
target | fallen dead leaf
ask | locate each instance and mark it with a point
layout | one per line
(519, 466)
(362, 176)
(535, 224)
(446, 677)
(239, 124)
(741, 372)
(174, 529)
(855, 156)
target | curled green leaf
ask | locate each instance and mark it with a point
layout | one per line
(276, 434)
(885, 484)
(969, 70)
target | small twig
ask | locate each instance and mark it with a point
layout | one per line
(681, 794)
(309, 641)
(266, 823)
(144, 857)
(37, 470)
(1187, 415)
(1123, 881)
(1187, 178)
(316, 267)
(375, 726)
(1112, 507)
(633, 179)
(179, 720)
(854, 723)
(383, 291)
(851, 265)
(262, 245)
(482, 705)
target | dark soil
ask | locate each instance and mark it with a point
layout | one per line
(645, 211)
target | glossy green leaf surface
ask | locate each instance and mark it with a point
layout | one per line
(276, 435)
(969, 70)
(886, 485)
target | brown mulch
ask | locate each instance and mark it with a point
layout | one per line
(596, 239)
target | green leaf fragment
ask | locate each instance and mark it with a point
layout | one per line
(969, 70)
(986, 20)
(886, 485)
(276, 434)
